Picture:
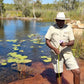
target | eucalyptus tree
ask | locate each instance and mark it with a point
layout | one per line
(2, 9)
(36, 5)
(70, 4)
(24, 6)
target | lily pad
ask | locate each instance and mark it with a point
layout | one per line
(27, 61)
(11, 60)
(42, 42)
(3, 64)
(0, 40)
(15, 48)
(47, 60)
(31, 35)
(42, 51)
(40, 46)
(21, 51)
(43, 56)
(14, 41)
(13, 54)
(16, 45)
(31, 46)
(24, 57)
(22, 40)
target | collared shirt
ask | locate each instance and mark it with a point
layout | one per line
(56, 34)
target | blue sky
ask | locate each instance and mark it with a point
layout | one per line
(43, 1)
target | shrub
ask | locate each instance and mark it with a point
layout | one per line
(26, 12)
(38, 14)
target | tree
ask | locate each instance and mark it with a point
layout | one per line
(70, 4)
(22, 5)
(38, 4)
(26, 12)
(2, 9)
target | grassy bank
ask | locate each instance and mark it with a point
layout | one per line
(47, 14)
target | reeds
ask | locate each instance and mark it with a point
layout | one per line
(78, 48)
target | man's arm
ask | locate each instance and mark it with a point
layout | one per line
(70, 43)
(52, 47)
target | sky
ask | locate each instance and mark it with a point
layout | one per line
(43, 1)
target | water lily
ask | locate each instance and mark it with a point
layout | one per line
(22, 41)
(15, 48)
(42, 51)
(14, 41)
(16, 45)
(48, 59)
(43, 56)
(0, 40)
(31, 35)
(31, 46)
(3, 64)
(21, 51)
(40, 46)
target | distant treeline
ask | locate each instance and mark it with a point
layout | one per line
(28, 8)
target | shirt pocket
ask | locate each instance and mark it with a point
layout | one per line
(56, 34)
(65, 36)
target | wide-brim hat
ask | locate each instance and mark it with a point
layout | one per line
(61, 16)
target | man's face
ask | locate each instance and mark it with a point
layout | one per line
(60, 23)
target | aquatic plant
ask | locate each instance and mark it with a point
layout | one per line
(36, 38)
(46, 58)
(16, 45)
(3, 62)
(18, 58)
(31, 46)
(42, 51)
(14, 41)
(21, 50)
(0, 40)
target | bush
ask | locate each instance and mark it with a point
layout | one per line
(38, 14)
(26, 12)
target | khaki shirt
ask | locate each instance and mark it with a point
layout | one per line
(55, 35)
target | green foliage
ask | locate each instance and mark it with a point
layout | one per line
(26, 12)
(46, 11)
(2, 9)
(9, 6)
(73, 14)
(38, 14)
(38, 4)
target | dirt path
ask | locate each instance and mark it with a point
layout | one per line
(44, 74)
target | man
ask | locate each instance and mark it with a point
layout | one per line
(60, 38)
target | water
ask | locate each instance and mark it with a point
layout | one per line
(15, 32)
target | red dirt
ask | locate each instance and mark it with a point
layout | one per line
(44, 74)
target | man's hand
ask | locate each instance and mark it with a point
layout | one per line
(56, 51)
(63, 44)
(70, 43)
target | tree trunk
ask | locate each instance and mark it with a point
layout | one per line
(34, 11)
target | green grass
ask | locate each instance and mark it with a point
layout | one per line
(49, 14)
(13, 13)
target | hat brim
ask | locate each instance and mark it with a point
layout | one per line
(62, 19)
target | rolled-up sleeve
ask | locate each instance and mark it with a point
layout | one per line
(71, 34)
(49, 33)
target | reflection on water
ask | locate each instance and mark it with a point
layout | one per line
(14, 33)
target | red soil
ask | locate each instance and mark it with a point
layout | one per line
(44, 74)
